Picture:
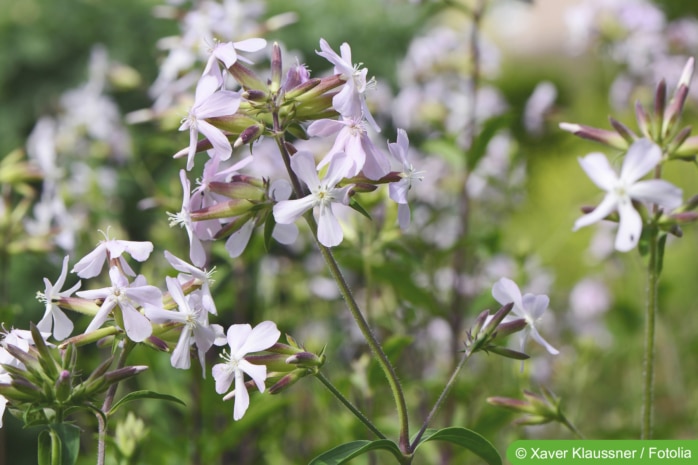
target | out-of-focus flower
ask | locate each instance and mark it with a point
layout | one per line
(528, 306)
(538, 104)
(641, 158)
(243, 340)
(54, 318)
(398, 190)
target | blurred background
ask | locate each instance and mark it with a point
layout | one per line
(91, 96)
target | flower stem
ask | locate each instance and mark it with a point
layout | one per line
(650, 319)
(345, 291)
(326, 382)
(570, 426)
(441, 399)
(106, 406)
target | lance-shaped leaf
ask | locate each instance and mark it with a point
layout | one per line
(346, 452)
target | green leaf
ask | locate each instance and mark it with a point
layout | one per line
(143, 395)
(44, 448)
(356, 206)
(345, 452)
(269, 225)
(465, 438)
(70, 440)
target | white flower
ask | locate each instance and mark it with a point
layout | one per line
(643, 155)
(350, 102)
(109, 249)
(188, 271)
(209, 102)
(195, 320)
(243, 339)
(197, 254)
(323, 194)
(128, 297)
(54, 318)
(530, 307)
(398, 190)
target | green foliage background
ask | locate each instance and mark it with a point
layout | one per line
(44, 51)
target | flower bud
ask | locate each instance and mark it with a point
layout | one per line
(643, 120)
(276, 68)
(255, 95)
(287, 381)
(121, 374)
(609, 138)
(63, 386)
(250, 134)
(623, 130)
(246, 77)
(227, 209)
(659, 108)
(241, 190)
(307, 360)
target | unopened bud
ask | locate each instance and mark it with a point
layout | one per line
(273, 362)
(249, 134)
(121, 374)
(63, 386)
(254, 95)
(511, 327)
(643, 120)
(610, 138)
(306, 360)
(623, 130)
(659, 107)
(287, 381)
(231, 208)
(246, 77)
(276, 68)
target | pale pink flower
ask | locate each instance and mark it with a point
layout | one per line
(109, 249)
(197, 254)
(350, 102)
(243, 340)
(128, 297)
(209, 102)
(323, 197)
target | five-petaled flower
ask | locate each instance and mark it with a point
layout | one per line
(323, 195)
(530, 307)
(209, 102)
(128, 297)
(110, 249)
(643, 155)
(243, 339)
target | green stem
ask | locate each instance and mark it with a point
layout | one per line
(56, 452)
(650, 319)
(345, 291)
(441, 399)
(106, 406)
(570, 426)
(326, 382)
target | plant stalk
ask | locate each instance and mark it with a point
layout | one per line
(650, 321)
(357, 413)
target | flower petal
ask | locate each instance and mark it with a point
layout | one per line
(505, 291)
(657, 191)
(288, 211)
(258, 373)
(596, 166)
(606, 207)
(136, 325)
(329, 231)
(223, 374)
(642, 156)
(263, 336)
(629, 228)
(242, 398)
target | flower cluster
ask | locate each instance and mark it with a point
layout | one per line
(228, 203)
